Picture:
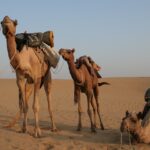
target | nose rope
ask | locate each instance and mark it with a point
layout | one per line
(121, 140)
(130, 143)
(129, 137)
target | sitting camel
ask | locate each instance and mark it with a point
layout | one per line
(86, 83)
(30, 74)
(140, 132)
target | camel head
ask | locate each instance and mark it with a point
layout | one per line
(130, 122)
(67, 54)
(8, 26)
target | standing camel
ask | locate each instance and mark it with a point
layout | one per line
(29, 74)
(86, 83)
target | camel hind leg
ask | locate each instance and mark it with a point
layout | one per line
(96, 95)
(89, 99)
(94, 112)
(47, 87)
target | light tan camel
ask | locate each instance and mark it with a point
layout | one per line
(140, 131)
(83, 82)
(29, 73)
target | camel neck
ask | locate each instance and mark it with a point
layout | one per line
(75, 74)
(11, 46)
(139, 133)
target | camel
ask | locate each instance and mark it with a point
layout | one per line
(139, 130)
(29, 75)
(86, 83)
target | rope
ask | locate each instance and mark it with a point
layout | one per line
(130, 143)
(120, 140)
(131, 146)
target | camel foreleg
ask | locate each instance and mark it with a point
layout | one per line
(78, 100)
(37, 131)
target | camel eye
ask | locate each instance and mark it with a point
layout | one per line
(133, 120)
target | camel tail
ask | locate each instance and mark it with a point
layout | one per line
(103, 83)
(14, 120)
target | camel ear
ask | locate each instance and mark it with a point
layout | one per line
(73, 50)
(127, 113)
(15, 22)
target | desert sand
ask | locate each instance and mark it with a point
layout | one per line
(123, 94)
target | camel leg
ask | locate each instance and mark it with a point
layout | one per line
(89, 99)
(47, 86)
(22, 102)
(96, 95)
(37, 131)
(77, 100)
(94, 112)
(28, 92)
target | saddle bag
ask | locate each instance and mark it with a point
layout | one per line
(51, 54)
(34, 39)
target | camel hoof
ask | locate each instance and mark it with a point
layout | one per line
(54, 130)
(102, 127)
(93, 130)
(24, 130)
(96, 126)
(78, 129)
(37, 133)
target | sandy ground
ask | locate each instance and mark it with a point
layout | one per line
(123, 94)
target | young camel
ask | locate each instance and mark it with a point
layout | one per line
(29, 74)
(140, 132)
(86, 83)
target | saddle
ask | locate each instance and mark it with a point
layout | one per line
(42, 44)
(34, 39)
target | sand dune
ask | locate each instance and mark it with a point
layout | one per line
(123, 94)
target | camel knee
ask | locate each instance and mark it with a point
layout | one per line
(79, 110)
(89, 112)
(25, 109)
(35, 108)
(94, 109)
(97, 103)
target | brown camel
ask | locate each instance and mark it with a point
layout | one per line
(140, 131)
(29, 73)
(86, 83)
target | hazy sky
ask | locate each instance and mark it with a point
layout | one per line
(115, 33)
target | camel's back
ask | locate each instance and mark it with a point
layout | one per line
(87, 75)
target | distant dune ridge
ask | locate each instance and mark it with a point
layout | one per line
(123, 94)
